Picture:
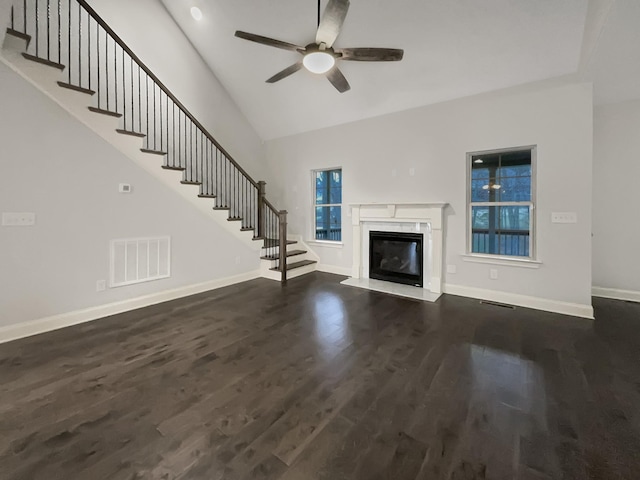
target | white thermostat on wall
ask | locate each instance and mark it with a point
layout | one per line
(124, 188)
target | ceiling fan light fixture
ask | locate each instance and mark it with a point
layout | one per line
(318, 62)
(196, 13)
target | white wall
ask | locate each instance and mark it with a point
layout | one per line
(148, 29)
(434, 140)
(616, 197)
(56, 167)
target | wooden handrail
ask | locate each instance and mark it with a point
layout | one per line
(162, 86)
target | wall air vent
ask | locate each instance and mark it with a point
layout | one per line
(137, 260)
(496, 304)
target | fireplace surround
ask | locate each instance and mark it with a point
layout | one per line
(417, 218)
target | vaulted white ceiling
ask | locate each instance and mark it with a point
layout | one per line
(453, 48)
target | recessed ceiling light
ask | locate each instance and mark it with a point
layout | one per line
(196, 13)
(478, 160)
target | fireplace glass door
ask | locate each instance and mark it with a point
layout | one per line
(396, 257)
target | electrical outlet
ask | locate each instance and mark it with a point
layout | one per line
(101, 285)
(493, 273)
(24, 219)
(452, 269)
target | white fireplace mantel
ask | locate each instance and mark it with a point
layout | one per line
(401, 213)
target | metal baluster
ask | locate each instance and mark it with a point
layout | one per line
(12, 23)
(155, 136)
(140, 103)
(106, 65)
(48, 29)
(79, 46)
(173, 141)
(133, 110)
(161, 135)
(24, 19)
(147, 105)
(89, 48)
(69, 44)
(98, 58)
(37, 28)
(115, 73)
(124, 93)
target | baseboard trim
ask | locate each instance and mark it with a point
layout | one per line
(55, 322)
(537, 303)
(616, 294)
(334, 269)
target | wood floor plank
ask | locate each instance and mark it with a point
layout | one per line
(318, 381)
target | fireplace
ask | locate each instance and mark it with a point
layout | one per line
(396, 257)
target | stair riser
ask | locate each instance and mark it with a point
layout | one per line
(297, 272)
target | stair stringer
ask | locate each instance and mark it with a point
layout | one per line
(45, 79)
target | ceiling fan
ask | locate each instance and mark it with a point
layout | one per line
(320, 57)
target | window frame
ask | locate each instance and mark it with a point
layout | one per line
(531, 204)
(314, 205)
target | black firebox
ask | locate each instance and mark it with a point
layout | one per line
(396, 257)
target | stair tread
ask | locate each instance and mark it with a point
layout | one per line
(234, 219)
(131, 132)
(76, 88)
(294, 265)
(190, 182)
(221, 208)
(290, 253)
(153, 152)
(170, 167)
(205, 195)
(246, 229)
(16, 33)
(105, 112)
(43, 61)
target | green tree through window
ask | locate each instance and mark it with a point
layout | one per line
(328, 205)
(501, 202)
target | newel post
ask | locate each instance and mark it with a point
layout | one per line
(282, 214)
(261, 194)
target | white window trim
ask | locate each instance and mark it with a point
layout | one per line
(312, 235)
(532, 260)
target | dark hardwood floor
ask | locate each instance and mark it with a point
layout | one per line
(321, 381)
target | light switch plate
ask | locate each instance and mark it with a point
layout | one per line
(23, 219)
(564, 217)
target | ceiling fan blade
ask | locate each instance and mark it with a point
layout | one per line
(332, 20)
(337, 79)
(285, 73)
(371, 54)
(271, 42)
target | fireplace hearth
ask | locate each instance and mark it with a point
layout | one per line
(396, 257)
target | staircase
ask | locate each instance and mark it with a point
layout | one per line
(67, 51)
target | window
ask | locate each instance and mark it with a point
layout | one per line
(501, 197)
(328, 205)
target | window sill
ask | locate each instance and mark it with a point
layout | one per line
(325, 243)
(506, 261)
